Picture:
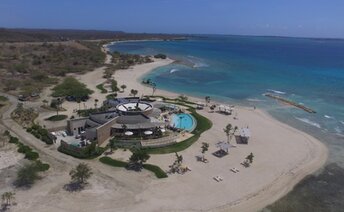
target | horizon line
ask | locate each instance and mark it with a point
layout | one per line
(164, 33)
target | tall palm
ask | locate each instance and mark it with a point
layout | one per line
(112, 144)
(179, 158)
(7, 198)
(153, 88)
(95, 103)
(58, 104)
(204, 148)
(207, 99)
(123, 87)
(228, 129)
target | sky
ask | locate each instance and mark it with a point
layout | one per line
(298, 18)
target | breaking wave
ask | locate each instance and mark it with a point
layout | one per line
(173, 70)
(307, 121)
(276, 91)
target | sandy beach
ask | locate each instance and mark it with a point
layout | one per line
(282, 157)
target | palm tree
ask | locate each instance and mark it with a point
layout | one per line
(183, 98)
(112, 144)
(123, 87)
(204, 148)
(138, 158)
(81, 173)
(133, 92)
(7, 198)
(250, 157)
(95, 103)
(58, 104)
(153, 88)
(207, 100)
(228, 130)
(179, 158)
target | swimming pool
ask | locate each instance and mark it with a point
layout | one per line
(183, 121)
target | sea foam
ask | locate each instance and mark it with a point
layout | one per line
(173, 70)
(276, 91)
(307, 121)
(254, 100)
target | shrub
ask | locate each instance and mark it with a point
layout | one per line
(71, 87)
(31, 155)
(3, 98)
(24, 149)
(57, 118)
(113, 162)
(161, 56)
(101, 88)
(47, 140)
(26, 176)
(111, 96)
(41, 166)
(14, 140)
(159, 173)
(39, 132)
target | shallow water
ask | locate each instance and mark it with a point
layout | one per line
(240, 69)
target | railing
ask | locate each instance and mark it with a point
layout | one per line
(160, 141)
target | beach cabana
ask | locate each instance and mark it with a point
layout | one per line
(225, 109)
(245, 134)
(224, 149)
(200, 105)
(223, 146)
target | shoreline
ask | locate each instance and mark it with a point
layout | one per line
(280, 186)
(283, 156)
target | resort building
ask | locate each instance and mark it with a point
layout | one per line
(131, 121)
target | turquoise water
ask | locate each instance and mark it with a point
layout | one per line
(183, 121)
(239, 69)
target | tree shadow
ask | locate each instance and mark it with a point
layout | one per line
(74, 187)
(134, 167)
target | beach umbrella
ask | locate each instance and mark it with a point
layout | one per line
(148, 132)
(128, 133)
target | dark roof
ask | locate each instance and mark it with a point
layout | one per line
(117, 101)
(102, 118)
(132, 119)
(90, 123)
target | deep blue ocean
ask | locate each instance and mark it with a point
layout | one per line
(239, 69)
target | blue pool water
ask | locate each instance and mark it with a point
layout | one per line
(183, 121)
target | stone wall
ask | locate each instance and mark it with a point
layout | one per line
(104, 131)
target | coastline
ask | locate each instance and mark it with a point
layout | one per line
(283, 156)
(279, 185)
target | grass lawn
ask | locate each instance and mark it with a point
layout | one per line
(3, 98)
(101, 88)
(159, 173)
(57, 118)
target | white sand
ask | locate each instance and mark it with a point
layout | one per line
(283, 156)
